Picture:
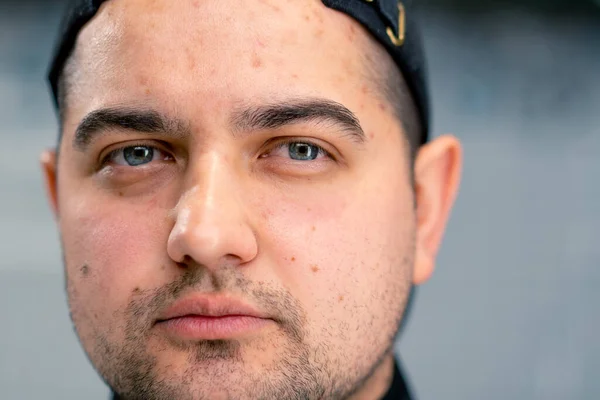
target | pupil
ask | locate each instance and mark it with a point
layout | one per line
(140, 152)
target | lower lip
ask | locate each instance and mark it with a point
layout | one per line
(196, 327)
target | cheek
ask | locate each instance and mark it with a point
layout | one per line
(111, 249)
(344, 247)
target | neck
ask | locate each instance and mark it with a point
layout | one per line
(380, 381)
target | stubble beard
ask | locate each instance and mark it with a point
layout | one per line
(300, 372)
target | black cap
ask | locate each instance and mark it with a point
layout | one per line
(391, 22)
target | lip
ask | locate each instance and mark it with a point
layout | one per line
(204, 317)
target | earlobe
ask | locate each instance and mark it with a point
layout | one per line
(49, 168)
(437, 176)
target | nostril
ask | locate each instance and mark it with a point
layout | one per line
(186, 262)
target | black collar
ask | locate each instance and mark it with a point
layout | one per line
(398, 390)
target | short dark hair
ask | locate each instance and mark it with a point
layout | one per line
(63, 87)
(388, 80)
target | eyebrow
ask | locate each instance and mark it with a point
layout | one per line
(271, 116)
(274, 116)
(148, 121)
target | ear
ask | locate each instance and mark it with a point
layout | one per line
(437, 176)
(48, 164)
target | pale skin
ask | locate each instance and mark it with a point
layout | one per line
(328, 247)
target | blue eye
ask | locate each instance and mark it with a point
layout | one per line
(135, 156)
(303, 151)
(138, 155)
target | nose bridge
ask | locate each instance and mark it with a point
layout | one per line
(208, 193)
(210, 220)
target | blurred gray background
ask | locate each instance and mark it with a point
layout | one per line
(513, 310)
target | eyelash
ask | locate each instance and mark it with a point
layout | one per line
(282, 142)
(106, 158)
(278, 144)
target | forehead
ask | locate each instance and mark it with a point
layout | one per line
(223, 50)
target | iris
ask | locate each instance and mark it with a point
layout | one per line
(303, 151)
(138, 155)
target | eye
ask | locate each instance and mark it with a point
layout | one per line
(299, 151)
(135, 156)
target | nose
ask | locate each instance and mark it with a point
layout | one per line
(212, 227)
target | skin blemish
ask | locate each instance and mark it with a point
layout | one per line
(85, 270)
(191, 60)
(381, 106)
(271, 6)
(371, 135)
(341, 298)
(293, 259)
(120, 194)
(256, 61)
(314, 228)
(364, 89)
(295, 76)
(137, 290)
(314, 268)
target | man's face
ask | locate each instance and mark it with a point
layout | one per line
(220, 168)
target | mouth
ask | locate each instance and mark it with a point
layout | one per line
(201, 327)
(204, 317)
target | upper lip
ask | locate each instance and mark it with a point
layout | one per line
(209, 306)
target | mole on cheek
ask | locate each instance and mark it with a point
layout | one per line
(293, 259)
(314, 268)
(85, 270)
(137, 290)
(341, 298)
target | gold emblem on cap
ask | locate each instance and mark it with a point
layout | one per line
(398, 40)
